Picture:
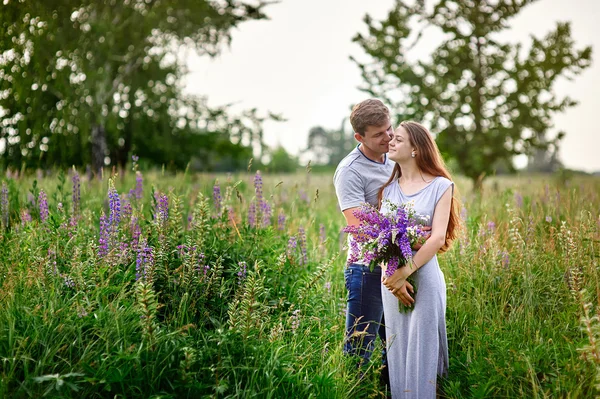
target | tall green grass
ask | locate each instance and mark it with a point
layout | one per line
(522, 281)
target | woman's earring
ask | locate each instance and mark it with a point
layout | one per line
(413, 154)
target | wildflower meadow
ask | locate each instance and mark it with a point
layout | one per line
(150, 284)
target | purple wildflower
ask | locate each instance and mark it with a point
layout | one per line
(519, 200)
(144, 261)
(302, 242)
(201, 265)
(505, 259)
(135, 158)
(241, 272)
(139, 186)
(295, 320)
(258, 183)
(463, 213)
(291, 247)
(217, 198)
(127, 209)
(103, 241)
(161, 214)
(69, 281)
(322, 235)
(136, 232)
(76, 198)
(266, 214)
(25, 217)
(281, 221)
(43, 205)
(549, 219)
(252, 214)
(114, 203)
(491, 226)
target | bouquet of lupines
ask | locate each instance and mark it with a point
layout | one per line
(386, 236)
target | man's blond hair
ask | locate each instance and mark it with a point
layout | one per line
(371, 112)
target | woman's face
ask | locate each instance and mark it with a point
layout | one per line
(400, 146)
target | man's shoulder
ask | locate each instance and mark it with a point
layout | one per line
(349, 160)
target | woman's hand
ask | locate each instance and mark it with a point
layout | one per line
(398, 286)
(416, 246)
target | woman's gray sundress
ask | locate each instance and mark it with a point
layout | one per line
(417, 346)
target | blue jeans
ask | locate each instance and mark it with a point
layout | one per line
(364, 313)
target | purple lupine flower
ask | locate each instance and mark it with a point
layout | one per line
(258, 183)
(291, 247)
(127, 210)
(281, 221)
(43, 205)
(548, 219)
(76, 198)
(103, 241)
(69, 281)
(217, 198)
(266, 214)
(302, 242)
(201, 266)
(505, 259)
(241, 272)
(252, 214)
(463, 213)
(52, 267)
(162, 210)
(4, 205)
(491, 226)
(322, 235)
(25, 217)
(328, 286)
(144, 261)
(139, 185)
(519, 199)
(304, 196)
(114, 204)
(135, 158)
(295, 320)
(136, 232)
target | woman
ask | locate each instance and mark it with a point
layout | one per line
(417, 345)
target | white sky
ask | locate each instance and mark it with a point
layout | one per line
(297, 64)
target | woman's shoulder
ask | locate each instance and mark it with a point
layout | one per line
(443, 181)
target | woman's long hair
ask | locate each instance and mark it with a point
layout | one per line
(429, 160)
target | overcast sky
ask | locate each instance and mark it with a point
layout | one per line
(296, 64)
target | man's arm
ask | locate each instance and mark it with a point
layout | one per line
(351, 220)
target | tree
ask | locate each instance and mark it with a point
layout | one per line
(329, 147)
(282, 161)
(83, 80)
(486, 100)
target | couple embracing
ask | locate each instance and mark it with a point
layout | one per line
(398, 165)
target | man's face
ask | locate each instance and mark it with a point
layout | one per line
(377, 138)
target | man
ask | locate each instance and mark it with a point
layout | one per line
(357, 180)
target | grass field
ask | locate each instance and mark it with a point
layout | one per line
(161, 286)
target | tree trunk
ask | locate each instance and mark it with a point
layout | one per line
(98, 148)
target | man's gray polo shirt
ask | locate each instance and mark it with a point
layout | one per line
(357, 179)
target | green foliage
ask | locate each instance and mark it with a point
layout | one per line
(281, 161)
(485, 100)
(329, 147)
(84, 80)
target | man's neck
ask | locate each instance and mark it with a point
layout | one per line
(372, 155)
